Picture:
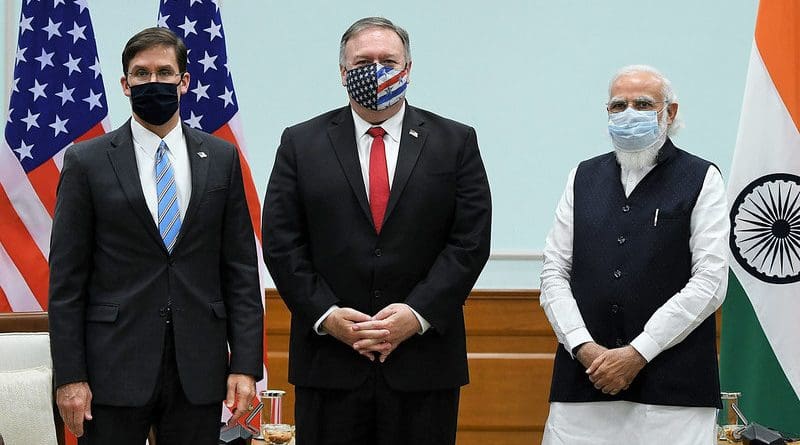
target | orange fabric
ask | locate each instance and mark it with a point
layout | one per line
(23, 250)
(778, 41)
(5, 306)
(44, 180)
(69, 438)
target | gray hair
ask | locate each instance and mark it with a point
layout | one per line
(374, 22)
(666, 90)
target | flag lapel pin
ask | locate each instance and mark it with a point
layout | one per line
(413, 132)
(202, 154)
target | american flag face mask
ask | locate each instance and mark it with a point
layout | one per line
(377, 86)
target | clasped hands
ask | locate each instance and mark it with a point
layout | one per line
(610, 370)
(379, 334)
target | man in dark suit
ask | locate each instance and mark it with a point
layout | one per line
(376, 225)
(153, 270)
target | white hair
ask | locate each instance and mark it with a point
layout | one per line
(666, 90)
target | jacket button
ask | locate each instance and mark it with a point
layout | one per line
(617, 274)
(378, 252)
(626, 208)
(619, 342)
(377, 294)
(621, 240)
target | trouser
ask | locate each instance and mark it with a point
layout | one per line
(175, 419)
(375, 414)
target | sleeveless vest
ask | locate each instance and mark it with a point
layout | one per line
(627, 262)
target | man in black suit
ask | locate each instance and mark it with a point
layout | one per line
(376, 225)
(153, 270)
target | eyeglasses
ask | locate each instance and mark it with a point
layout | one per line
(639, 104)
(144, 76)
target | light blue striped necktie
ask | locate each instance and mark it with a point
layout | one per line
(169, 214)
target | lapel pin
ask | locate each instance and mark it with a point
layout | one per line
(202, 154)
(413, 132)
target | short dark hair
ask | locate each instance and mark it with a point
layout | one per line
(152, 37)
(374, 22)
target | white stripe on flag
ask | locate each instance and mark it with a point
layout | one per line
(768, 142)
(17, 292)
(58, 158)
(106, 123)
(22, 195)
(236, 128)
(766, 127)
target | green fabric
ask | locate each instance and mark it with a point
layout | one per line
(748, 365)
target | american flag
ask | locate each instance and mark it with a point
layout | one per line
(377, 85)
(211, 104)
(57, 99)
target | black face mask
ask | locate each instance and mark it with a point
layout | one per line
(155, 102)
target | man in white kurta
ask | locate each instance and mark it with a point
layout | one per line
(612, 368)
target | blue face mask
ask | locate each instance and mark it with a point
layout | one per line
(632, 130)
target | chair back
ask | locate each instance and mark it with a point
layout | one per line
(25, 352)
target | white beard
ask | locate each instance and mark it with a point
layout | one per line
(638, 160)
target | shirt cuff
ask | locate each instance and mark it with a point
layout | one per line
(423, 323)
(318, 324)
(646, 346)
(577, 337)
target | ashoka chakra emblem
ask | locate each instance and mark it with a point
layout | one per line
(765, 228)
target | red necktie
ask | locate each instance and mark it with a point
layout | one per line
(378, 177)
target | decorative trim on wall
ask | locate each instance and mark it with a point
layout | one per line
(516, 255)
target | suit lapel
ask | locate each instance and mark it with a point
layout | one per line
(123, 160)
(411, 141)
(343, 139)
(199, 165)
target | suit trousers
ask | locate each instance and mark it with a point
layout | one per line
(175, 419)
(375, 414)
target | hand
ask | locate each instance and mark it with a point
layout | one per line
(614, 370)
(398, 320)
(341, 324)
(241, 390)
(589, 351)
(74, 402)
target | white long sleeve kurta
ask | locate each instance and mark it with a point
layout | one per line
(622, 421)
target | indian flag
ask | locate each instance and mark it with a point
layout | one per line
(760, 353)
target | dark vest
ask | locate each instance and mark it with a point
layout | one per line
(626, 264)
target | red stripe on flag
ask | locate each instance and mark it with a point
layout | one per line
(250, 192)
(44, 180)
(5, 306)
(23, 250)
(93, 132)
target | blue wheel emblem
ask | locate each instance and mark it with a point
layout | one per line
(765, 228)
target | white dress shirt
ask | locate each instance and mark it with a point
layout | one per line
(145, 144)
(391, 141)
(669, 325)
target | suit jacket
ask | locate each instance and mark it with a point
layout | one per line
(111, 276)
(322, 250)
